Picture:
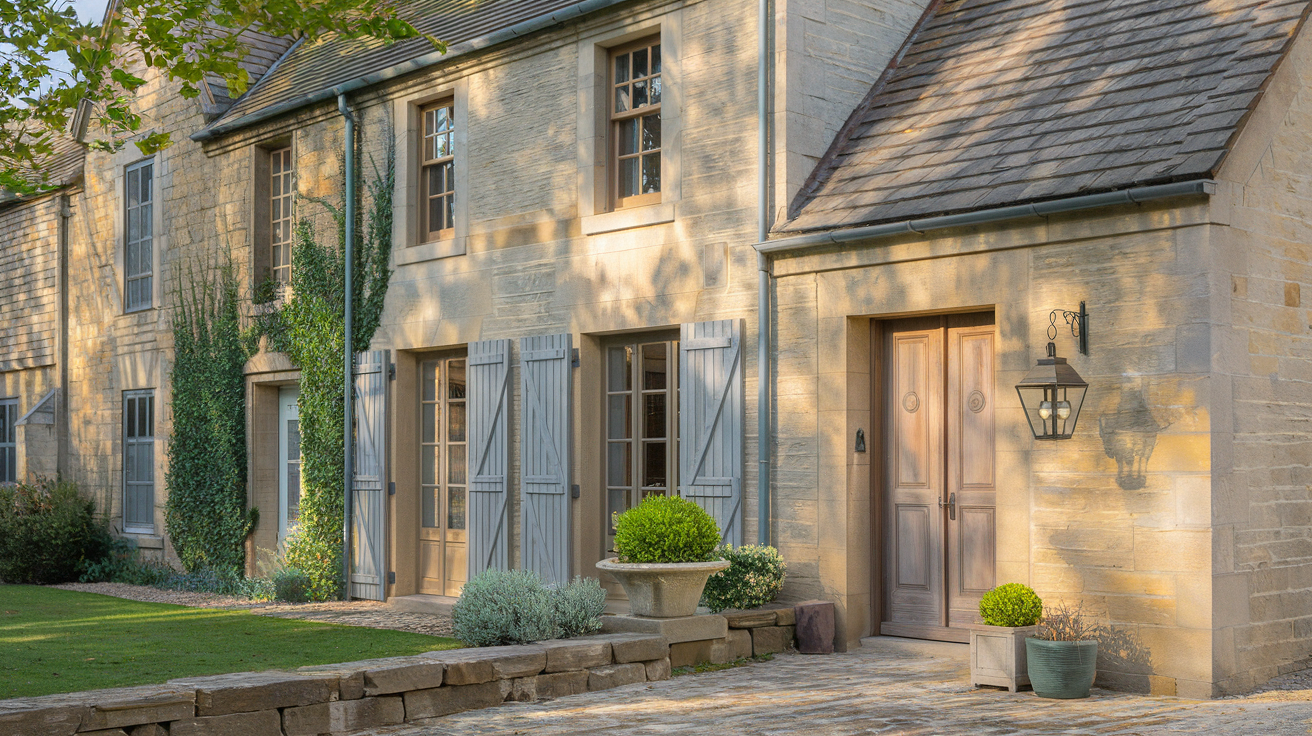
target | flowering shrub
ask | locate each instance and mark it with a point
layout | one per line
(755, 577)
(666, 529)
(1012, 604)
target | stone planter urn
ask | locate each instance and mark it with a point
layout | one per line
(663, 590)
(1061, 669)
(997, 656)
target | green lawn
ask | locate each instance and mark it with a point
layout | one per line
(56, 641)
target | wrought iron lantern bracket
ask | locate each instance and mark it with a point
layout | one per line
(1078, 322)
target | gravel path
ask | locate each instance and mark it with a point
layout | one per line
(371, 614)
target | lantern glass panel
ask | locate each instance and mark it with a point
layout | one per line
(1051, 396)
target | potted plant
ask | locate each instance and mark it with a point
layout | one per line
(997, 651)
(666, 551)
(1063, 659)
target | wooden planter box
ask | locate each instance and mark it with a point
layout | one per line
(997, 656)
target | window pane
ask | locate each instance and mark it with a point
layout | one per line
(628, 177)
(621, 68)
(448, 205)
(443, 119)
(619, 503)
(655, 92)
(651, 132)
(653, 416)
(429, 514)
(455, 511)
(640, 63)
(431, 464)
(653, 474)
(456, 424)
(435, 215)
(448, 177)
(431, 412)
(656, 59)
(639, 94)
(146, 225)
(430, 122)
(618, 422)
(622, 99)
(132, 185)
(130, 411)
(618, 464)
(651, 173)
(293, 491)
(455, 467)
(654, 367)
(134, 227)
(145, 183)
(293, 440)
(619, 375)
(430, 380)
(456, 379)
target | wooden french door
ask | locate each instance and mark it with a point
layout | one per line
(443, 476)
(939, 473)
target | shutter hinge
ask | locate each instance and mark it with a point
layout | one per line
(391, 371)
(574, 491)
(391, 488)
(574, 363)
(391, 577)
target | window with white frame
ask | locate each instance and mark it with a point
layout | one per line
(8, 440)
(139, 461)
(280, 214)
(437, 175)
(138, 235)
(642, 422)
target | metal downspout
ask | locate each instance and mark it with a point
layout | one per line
(763, 276)
(62, 428)
(348, 359)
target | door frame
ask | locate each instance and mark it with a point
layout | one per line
(876, 448)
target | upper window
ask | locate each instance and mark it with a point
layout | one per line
(641, 423)
(139, 461)
(437, 174)
(8, 441)
(280, 214)
(138, 231)
(635, 113)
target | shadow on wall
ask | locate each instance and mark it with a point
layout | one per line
(1128, 437)
(1124, 663)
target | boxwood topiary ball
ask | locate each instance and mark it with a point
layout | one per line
(666, 529)
(1012, 605)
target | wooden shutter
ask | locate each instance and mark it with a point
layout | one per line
(711, 422)
(369, 477)
(488, 385)
(544, 432)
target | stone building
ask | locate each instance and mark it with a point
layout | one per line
(572, 321)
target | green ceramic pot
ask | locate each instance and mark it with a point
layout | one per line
(1061, 669)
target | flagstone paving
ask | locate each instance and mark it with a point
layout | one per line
(886, 687)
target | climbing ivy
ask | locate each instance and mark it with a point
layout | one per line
(206, 513)
(309, 328)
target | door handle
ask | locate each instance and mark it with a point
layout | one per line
(951, 503)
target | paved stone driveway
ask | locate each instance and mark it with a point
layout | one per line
(886, 687)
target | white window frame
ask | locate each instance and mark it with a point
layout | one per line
(144, 211)
(288, 411)
(132, 439)
(282, 222)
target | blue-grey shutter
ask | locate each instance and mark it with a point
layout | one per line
(369, 477)
(488, 386)
(544, 432)
(711, 422)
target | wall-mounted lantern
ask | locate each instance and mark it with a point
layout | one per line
(1052, 393)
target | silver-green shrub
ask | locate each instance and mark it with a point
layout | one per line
(755, 577)
(504, 607)
(579, 605)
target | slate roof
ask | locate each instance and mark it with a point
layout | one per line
(330, 61)
(264, 50)
(1000, 102)
(62, 168)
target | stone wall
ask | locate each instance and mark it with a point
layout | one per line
(1262, 484)
(29, 283)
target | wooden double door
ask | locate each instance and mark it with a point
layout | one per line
(939, 510)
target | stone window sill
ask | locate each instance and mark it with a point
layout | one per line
(145, 540)
(609, 222)
(429, 251)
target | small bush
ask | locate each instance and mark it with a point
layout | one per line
(1012, 604)
(291, 585)
(1064, 623)
(504, 607)
(755, 577)
(579, 606)
(666, 529)
(48, 533)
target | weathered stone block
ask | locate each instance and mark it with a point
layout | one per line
(36, 721)
(626, 648)
(105, 732)
(771, 639)
(522, 689)
(404, 676)
(566, 655)
(451, 699)
(673, 630)
(343, 715)
(815, 627)
(159, 708)
(350, 678)
(658, 669)
(689, 653)
(785, 614)
(245, 692)
(509, 662)
(259, 723)
(149, 729)
(738, 644)
(464, 666)
(749, 619)
(562, 683)
(605, 678)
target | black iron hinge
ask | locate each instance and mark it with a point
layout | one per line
(391, 577)
(391, 371)
(391, 488)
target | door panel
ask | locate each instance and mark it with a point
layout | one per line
(443, 475)
(939, 473)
